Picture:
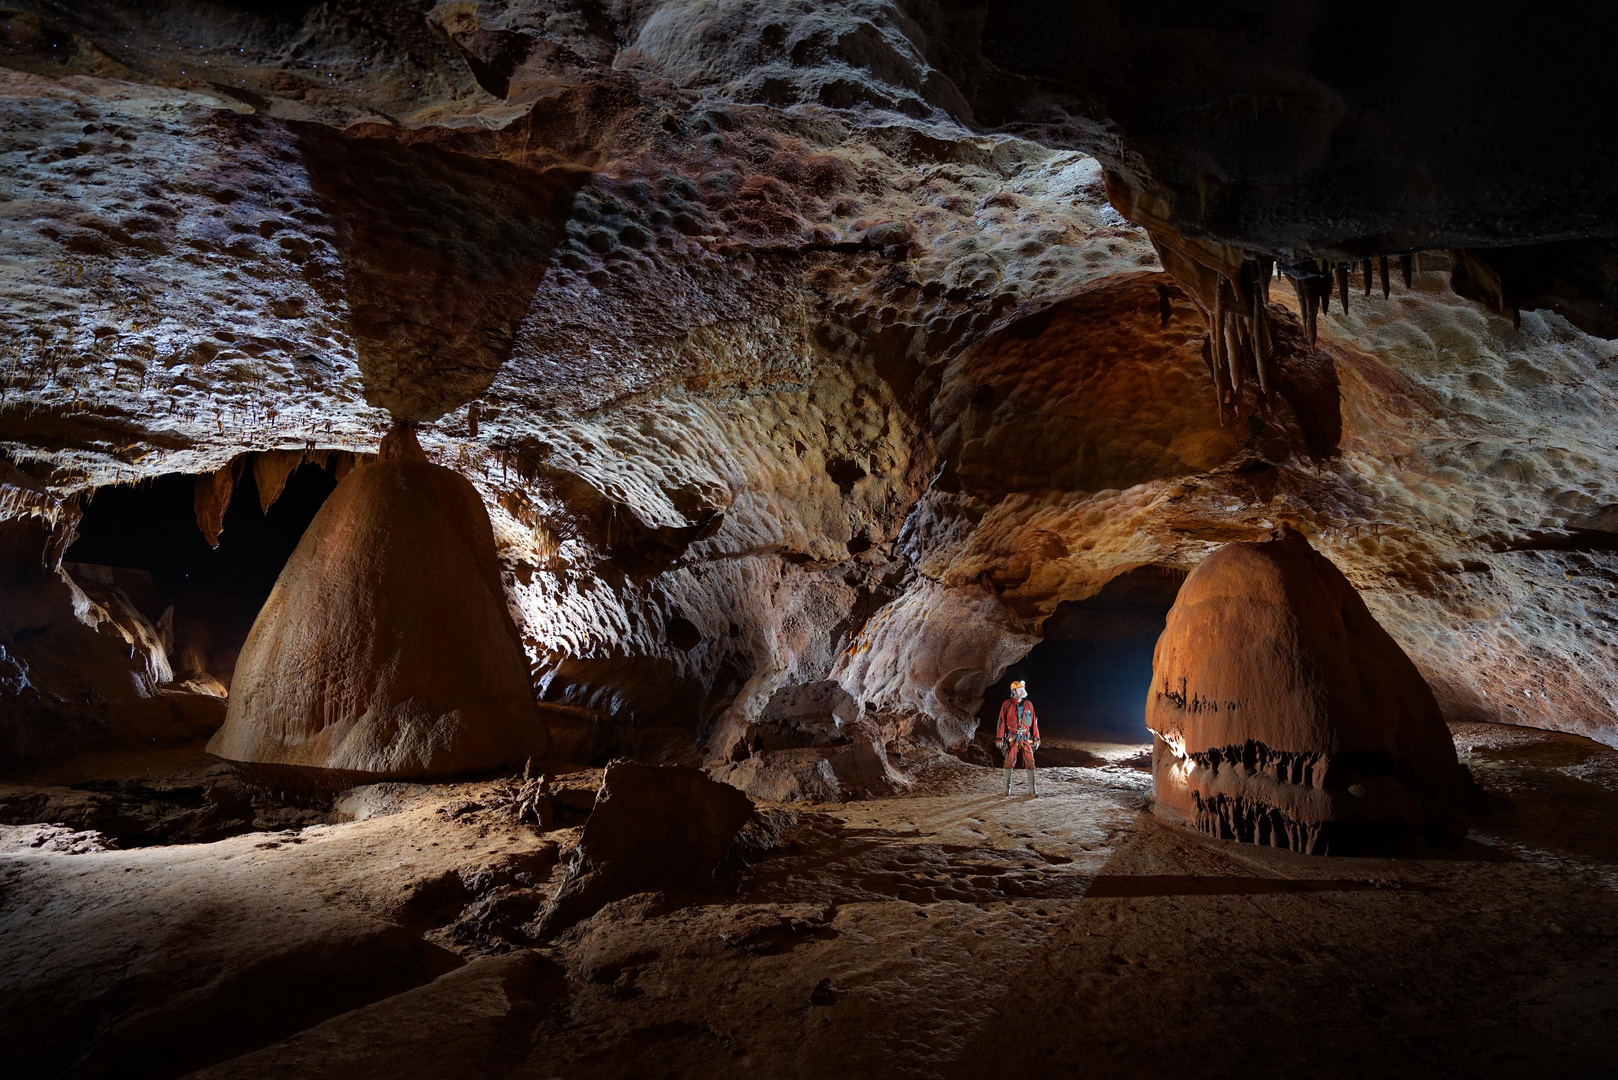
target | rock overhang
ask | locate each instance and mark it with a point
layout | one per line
(741, 333)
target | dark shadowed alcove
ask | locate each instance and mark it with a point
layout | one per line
(145, 540)
(1089, 676)
(153, 527)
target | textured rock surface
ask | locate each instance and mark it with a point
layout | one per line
(653, 828)
(846, 948)
(82, 666)
(385, 650)
(785, 345)
(1283, 715)
(812, 362)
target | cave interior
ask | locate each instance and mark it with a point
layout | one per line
(520, 522)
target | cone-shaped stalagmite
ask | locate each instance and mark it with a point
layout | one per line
(1285, 715)
(385, 650)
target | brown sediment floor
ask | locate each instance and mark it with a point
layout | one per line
(948, 932)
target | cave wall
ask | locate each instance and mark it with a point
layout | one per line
(772, 362)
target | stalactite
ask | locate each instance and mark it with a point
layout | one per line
(1342, 286)
(1306, 306)
(270, 471)
(212, 496)
(1407, 268)
(1386, 289)
(1233, 354)
(1244, 346)
(1365, 265)
(1214, 374)
(1261, 327)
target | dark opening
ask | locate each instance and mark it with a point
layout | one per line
(1089, 677)
(144, 541)
(153, 527)
(683, 633)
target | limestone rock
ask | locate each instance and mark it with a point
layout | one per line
(385, 650)
(814, 774)
(1285, 715)
(82, 668)
(35, 528)
(654, 827)
(775, 358)
(809, 714)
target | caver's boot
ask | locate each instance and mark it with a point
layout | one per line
(1008, 782)
(1033, 784)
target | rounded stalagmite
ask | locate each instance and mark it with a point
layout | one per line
(1284, 715)
(385, 650)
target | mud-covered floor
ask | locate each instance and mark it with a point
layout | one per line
(949, 932)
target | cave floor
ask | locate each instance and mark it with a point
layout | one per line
(948, 932)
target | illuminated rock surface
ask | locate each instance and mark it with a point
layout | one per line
(1284, 715)
(385, 650)
(812, 364)
(758, 335)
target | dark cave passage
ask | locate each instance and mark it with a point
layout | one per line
(153, 527)
(1088, 678)
(144, 540)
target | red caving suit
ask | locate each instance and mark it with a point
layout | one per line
(1019, 729)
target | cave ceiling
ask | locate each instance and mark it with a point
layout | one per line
(855, 337)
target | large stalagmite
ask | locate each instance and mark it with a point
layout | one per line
(385, 650)
(1284, 715)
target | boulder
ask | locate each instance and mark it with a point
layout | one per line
(1284, 715)
(385, 650)
(654, 828)
(805, 714)
(857, 769)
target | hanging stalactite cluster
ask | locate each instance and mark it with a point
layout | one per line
(1239, 338)
(1314, 280)
(1240, 343)
(270, 468)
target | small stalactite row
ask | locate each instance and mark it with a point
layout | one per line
(1231, 289)
(1313, 281)
(1240, 341)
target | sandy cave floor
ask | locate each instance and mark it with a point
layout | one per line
(949, 932)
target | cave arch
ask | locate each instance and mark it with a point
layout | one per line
(1089, 674)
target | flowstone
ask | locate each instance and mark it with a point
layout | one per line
(1284, 715)
(385, 650)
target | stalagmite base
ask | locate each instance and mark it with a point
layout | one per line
(385, 650)
(1284, 715)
